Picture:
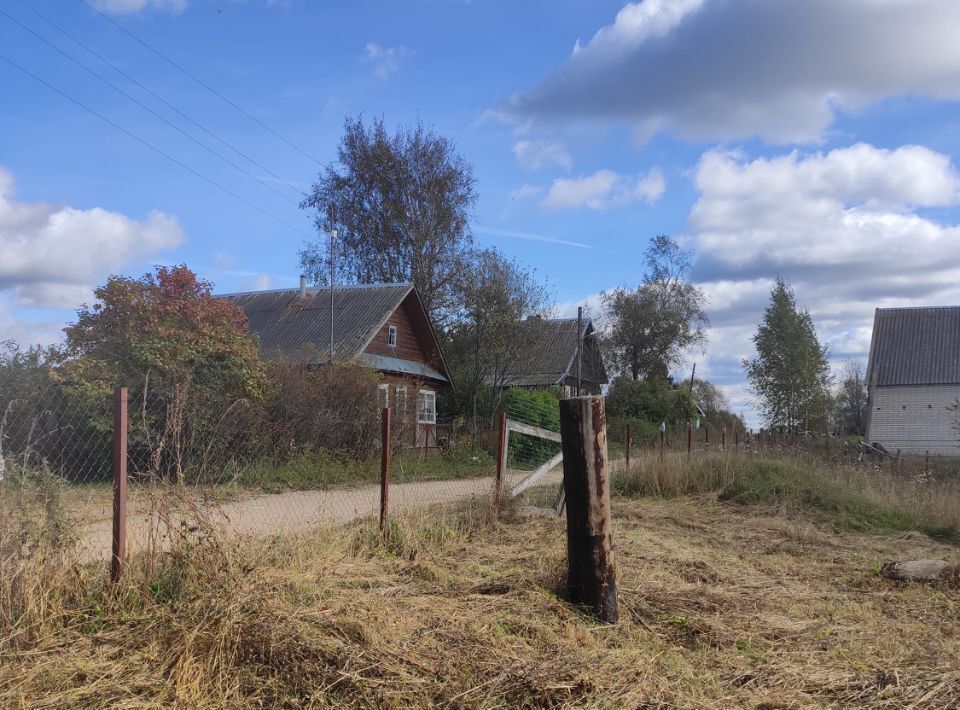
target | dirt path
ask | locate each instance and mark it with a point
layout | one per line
(294, 511)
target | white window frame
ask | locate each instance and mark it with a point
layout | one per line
(431, 396)
(392, 336)
(400, 397)
(383, 395)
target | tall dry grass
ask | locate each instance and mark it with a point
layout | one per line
(850, 496)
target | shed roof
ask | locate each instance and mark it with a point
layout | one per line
(915, 346)
(549, 354)
(286, 324)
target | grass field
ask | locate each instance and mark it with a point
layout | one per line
(743, 583)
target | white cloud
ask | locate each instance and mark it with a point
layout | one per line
(385, 60)
(534, 155)
(841, 226)
(129, 7)
(725, 70)
(525, 192)
(52, 256)
(604, 189)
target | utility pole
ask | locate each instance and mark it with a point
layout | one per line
(579, 346)
(333, 236)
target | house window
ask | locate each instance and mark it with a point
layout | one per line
(427, 412)
(383, 395)
(392, 336)
(400, 397)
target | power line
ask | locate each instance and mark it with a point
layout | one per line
(158, 97)
(144, 106)
(151, 146)
(201, 82)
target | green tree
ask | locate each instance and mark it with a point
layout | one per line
(484, 339)
(790, 375)
(401, 206)
(850, 399)
(651, 326)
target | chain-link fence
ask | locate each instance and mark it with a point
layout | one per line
(197, 464)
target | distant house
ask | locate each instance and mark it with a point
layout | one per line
(913, 377)
(381, 326)
(548, 357)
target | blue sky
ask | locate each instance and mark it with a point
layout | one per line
(814, 140)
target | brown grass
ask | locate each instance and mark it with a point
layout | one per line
(722, 605)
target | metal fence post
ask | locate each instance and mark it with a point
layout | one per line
(384, 468)
(118, 558)
(629, 445)
(502, 445)
(592, 574)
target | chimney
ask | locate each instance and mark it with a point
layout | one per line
(303, 287)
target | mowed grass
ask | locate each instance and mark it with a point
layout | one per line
(729, 597)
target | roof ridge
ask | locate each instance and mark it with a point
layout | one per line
(319, 289)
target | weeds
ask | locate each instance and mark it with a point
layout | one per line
(844, 497)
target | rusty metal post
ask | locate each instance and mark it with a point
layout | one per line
(501, 462)
(629, 445)
(118, 558)
(592, 573)
(384, 469)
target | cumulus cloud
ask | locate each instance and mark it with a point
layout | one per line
(778, 69)
(847, 228)
(52, 256)
(129, 7)
(604, 189)
(384, 60)
(534, 155)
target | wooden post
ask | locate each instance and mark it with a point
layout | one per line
(736, 438)
(118, 559)
(384, 469)
(663, 438)
(706, 435)
(592, 574)
(501, 463)
(723, 439)
(689, 438)
(629, 445)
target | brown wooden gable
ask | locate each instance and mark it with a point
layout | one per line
(415, 337)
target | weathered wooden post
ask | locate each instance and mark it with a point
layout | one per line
(591, 571)
(663, 438)
(384, 469)
(118, 559)
(629, 445)
(501, 463)
(689, 438)
(706, 435)
(723, 438)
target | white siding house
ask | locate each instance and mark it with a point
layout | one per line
(914, 381)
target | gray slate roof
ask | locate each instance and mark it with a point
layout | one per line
(285, 324)
(915, 346)
(549, 354)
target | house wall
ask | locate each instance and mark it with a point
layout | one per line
(405, 427)
(915, 419)
(412, 342)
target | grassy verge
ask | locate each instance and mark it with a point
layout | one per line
(845, 498)
(721, 607)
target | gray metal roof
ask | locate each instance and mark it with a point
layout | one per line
(406, 367)
(550, 351)
(290, 327)
(915, 346)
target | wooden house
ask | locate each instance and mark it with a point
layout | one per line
(380, 326)
(548, 357)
